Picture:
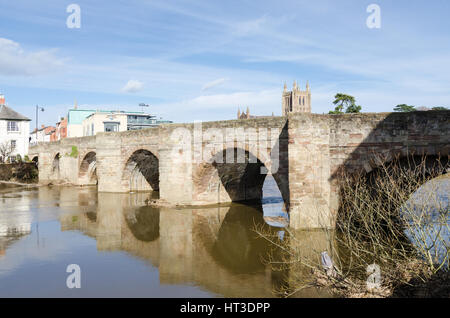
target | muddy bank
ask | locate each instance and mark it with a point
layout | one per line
(21, 172)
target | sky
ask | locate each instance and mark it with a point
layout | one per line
(202, 59)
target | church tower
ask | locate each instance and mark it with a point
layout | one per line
(296, 101)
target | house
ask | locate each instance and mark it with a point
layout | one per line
(84, 122)
(110, 121)
(42, 134)
(75, 119)
(60, 130)
(14, 131)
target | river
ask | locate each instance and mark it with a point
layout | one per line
(125, 248)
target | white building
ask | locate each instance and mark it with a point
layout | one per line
(14, 130)
(110, 121)
(41, 135)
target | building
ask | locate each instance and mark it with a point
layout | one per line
(60, 130)
(75, 119)
(246, 115)
(43, 134)
(296, 101)
(14, 131)
(110, 121)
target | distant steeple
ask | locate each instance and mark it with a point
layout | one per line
(239, 113)
(248, 112)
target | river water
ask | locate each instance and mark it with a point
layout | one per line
(125, 248)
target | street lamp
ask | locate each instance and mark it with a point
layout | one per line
(143, 105)
(38, 108)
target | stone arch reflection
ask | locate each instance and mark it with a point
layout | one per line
(144, 223)
(237, 246)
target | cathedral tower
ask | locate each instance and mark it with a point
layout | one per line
(296, 101)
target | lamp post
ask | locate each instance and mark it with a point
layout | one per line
(38, 108)
(143, 105)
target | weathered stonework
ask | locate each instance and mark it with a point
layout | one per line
(303, 151)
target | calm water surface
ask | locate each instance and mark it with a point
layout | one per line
(128, 249)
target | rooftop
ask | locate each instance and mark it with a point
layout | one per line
(7, 113)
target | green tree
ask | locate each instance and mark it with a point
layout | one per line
(353, 109)
(439, 108)
(404, 108)
(345, 101)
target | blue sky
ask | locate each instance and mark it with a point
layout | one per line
(200, 60)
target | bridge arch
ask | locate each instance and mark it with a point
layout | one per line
(55, 170)
(141, 172)
(88, 169)
(219, 180)
(392, 178)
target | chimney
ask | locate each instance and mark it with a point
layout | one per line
(2, 99)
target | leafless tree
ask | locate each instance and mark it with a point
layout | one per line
(6, 148)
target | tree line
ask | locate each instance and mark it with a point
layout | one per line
(347, 104)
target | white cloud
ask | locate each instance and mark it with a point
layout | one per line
(133, 86)
(214, 83)
(15, 61)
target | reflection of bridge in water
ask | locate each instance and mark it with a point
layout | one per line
(212, 247)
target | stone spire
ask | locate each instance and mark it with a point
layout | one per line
(248, 112)
(307, 86)
(239, 113)
(285, 87)
(295, 86)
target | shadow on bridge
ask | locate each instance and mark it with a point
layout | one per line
(404, 141)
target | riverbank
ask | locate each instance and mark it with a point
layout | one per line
(20, 172)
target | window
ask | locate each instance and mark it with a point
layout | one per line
(111, 127)
(13, 144)
(13, 126)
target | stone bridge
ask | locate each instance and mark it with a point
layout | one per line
(227, 161)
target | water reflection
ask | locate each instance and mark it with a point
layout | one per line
(215, 248)
(428, 212)
(211, 251)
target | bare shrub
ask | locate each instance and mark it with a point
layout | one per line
(379, 222)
